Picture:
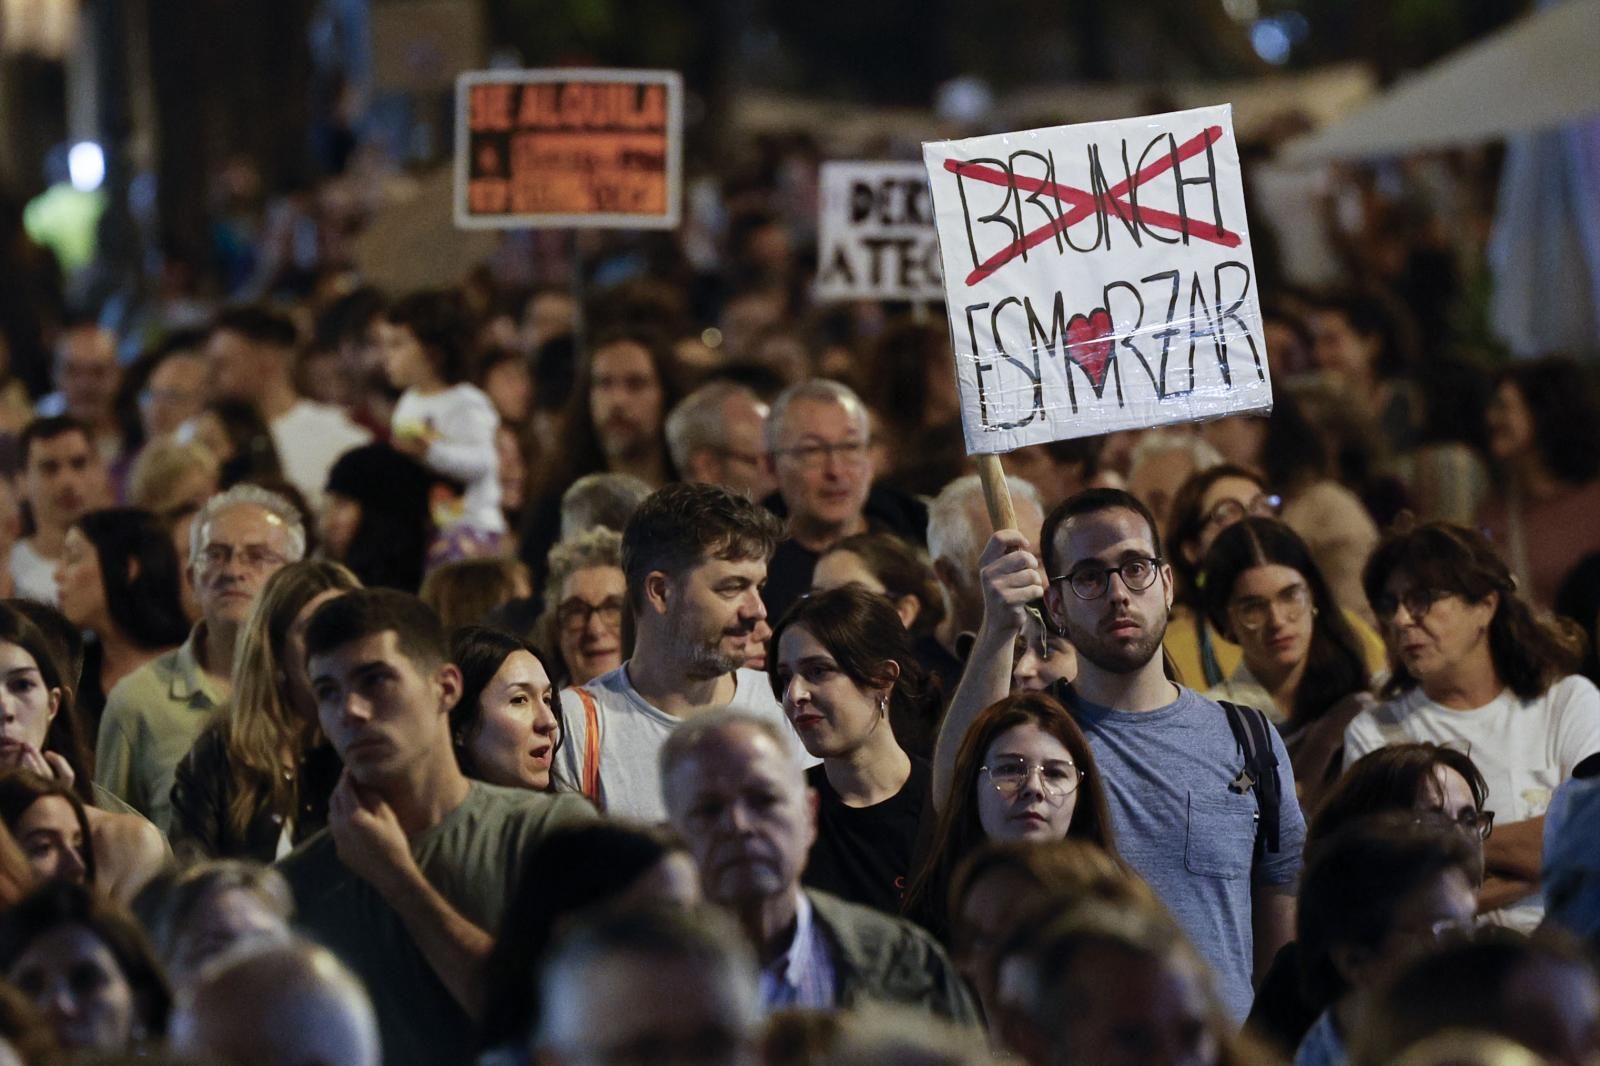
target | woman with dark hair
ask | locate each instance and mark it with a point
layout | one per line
(1544, 440)
(1475, 665)
(600, 863)
(1024, 771)
(443, 420)
(257, 780)
(40, 732)
(893, 567)
(1421, 778)
(120, 579)
(1301, 662)
(506, 726)
(50, 825)
(1209, 502)
(844, 671)
(1292, 454)
(88, 967)
(377, 519)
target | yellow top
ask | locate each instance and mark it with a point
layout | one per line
(1183, 643)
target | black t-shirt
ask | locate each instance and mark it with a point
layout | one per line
(864, 854)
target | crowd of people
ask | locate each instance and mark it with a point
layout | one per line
(489, 674)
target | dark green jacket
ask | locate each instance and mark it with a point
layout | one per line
(881, 959)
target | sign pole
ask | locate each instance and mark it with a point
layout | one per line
(996, 493)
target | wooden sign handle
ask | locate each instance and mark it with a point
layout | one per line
(996, 493)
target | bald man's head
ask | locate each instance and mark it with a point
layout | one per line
(294, 1005)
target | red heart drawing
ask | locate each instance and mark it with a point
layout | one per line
(1089, 344)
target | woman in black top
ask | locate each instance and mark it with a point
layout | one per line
(843, 666)
(257, 781)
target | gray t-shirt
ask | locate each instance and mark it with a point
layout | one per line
(631, 735)
(473, 858)
(1166, 775)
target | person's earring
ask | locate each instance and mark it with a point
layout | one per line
(883, 705)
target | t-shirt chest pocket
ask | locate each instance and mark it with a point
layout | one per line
(1221, 835)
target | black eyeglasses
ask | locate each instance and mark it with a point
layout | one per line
(1417, 602)
(573, 615)
(1091, 582)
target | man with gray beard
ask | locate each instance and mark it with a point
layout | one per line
(695, 559)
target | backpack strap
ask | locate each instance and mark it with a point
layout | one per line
(1252, 732)
(590, 785)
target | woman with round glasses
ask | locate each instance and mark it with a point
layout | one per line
(585, 598)
(1474, 666)
(843, 668)
(1207, 505)
(1024, 772)
(1301, 662)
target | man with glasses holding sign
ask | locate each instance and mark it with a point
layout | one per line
(154, 715)
(1184, 813)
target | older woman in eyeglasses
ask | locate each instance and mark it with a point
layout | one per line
(1475, 666)
(1302, 663)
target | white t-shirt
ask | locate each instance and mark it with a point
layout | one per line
(632, 733)
(1524, 748)
(461, 422)
(310, 437)
(33, 577)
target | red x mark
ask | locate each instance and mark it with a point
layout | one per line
(1083, 203)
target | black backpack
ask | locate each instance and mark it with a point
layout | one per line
(1253, 733)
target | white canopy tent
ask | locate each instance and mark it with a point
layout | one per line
(1538, 73)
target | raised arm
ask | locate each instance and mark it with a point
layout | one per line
(1011, 578)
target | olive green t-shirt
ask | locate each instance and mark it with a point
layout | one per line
(472, 858)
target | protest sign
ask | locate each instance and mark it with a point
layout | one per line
(569, 148)
(1098, 278)
(876, 239)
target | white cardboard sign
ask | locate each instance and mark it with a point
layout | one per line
(876, 239)
(1098, 278)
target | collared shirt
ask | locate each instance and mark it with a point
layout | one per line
(803, 976)
(1322, 1046)
(152, 718)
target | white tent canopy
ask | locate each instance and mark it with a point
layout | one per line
(1537, 73)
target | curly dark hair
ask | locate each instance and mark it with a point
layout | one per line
(1335, 666)
(1530, 652)
(1566, 431)
(680, 526)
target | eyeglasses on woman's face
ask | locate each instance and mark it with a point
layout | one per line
(1227, 512)
(1251, 613)
(1417, 602)
(1058, 778)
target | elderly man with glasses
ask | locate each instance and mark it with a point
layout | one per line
(153, 716)
(819, 449)
(1219, 844)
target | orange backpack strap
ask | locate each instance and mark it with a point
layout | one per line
(590, 785)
